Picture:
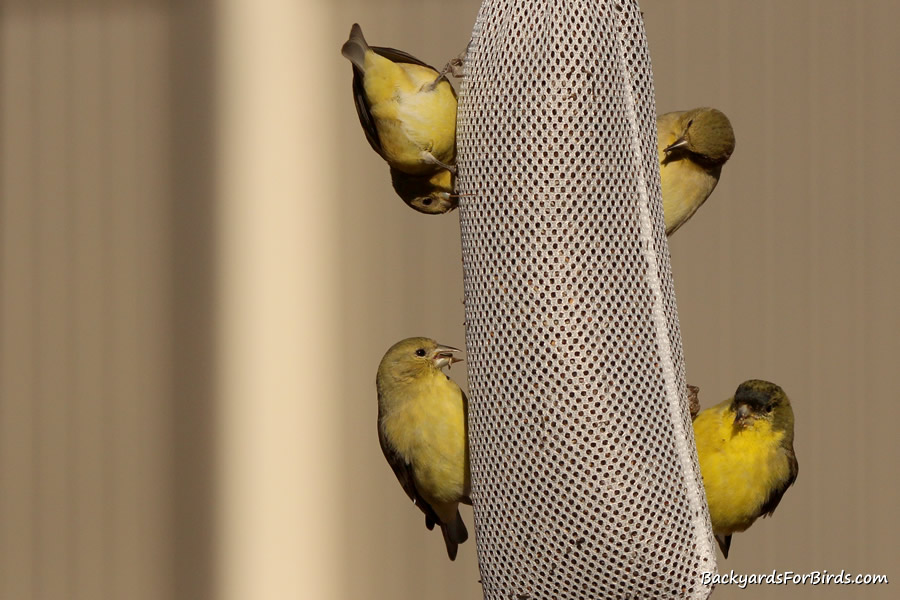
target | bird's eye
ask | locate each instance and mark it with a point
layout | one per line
(420, 352)
(426, 201)
(770, 408)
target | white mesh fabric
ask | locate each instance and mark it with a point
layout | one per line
(585, 477)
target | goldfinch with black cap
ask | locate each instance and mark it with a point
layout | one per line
(745, 446)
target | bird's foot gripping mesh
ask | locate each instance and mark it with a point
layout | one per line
(585, 477)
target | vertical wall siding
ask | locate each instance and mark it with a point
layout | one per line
(19, 346)
(84, 381)
(191, 353)
(279, 355)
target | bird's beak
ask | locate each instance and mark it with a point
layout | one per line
(445, 356)
(679, 143)
(743, 411)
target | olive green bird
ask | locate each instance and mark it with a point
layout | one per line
(745, 446)
(422, 430)
(692, 145)
(406, 108)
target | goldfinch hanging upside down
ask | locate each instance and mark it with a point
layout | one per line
(406, 108)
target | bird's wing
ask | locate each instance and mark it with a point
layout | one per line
(775, 495)
(399, 56)
(404, 473)
(363, 110)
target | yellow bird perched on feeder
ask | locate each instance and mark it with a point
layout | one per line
(422, 431)
(692, 146)
(745, 446)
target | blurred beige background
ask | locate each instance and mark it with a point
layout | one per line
(202, 261)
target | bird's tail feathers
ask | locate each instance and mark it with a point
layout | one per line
(454, 534)
(724, 542)
(355, 48)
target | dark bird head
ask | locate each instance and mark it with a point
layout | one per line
(429, 194)
(757, 400)
(416, 357)
(706, 133)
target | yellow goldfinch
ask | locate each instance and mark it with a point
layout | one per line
(430, 194)
(422, 430)
(746, 450)
(407, 109)
(692, 145)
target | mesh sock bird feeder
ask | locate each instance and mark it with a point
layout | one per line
(585, 476)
